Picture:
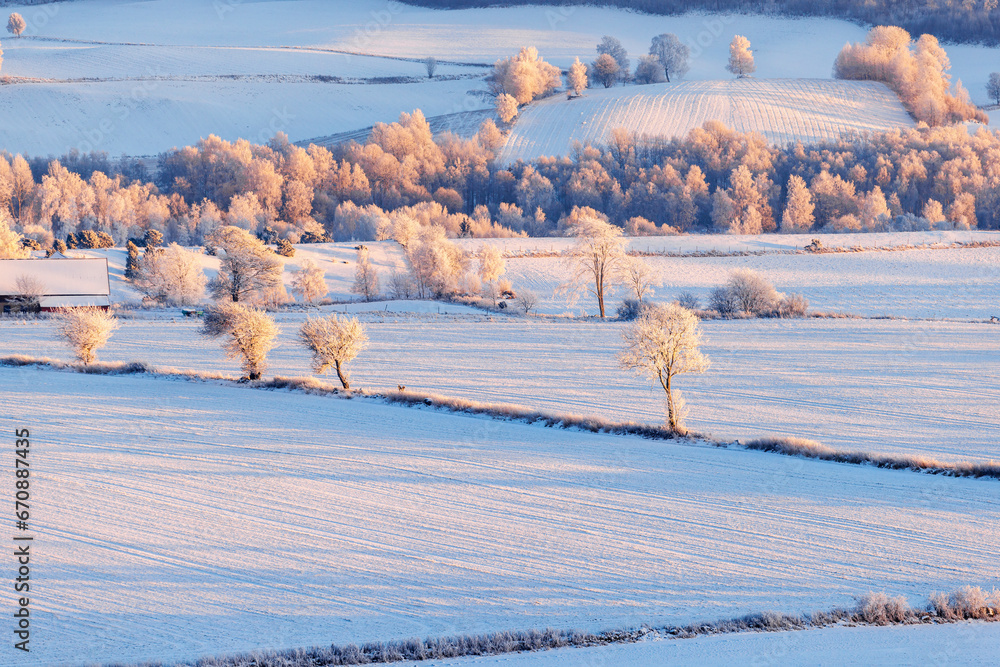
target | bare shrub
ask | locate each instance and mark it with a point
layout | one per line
(880, 609)
(688, 300)
(249, 334)
(723, 301)
(793, 305)
(333, 341)
(86, 330)
(752, 292)
(400, 285)
(526, 300)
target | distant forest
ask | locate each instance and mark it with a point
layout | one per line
(976, 21)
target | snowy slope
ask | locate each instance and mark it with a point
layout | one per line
(222, 519)
(74, 42)
(782, 110)
(887, 386)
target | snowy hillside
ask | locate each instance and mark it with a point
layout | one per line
(140, 78)
(783, 110)
(223, 519)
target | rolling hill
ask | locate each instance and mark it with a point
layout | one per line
(783, 110)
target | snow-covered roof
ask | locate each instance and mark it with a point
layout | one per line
(64, 280)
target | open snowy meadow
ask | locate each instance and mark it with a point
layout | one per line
(139, 78)
(180, 519)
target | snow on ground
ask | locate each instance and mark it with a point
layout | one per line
(108, 38)
(147, 117)
(876, 385)
(176, 519)
(782, 110)
(958, 644)
(932, 282)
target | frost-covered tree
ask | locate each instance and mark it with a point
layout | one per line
(596, 259)
(662, 343)
(16, 24)
(933, 211)
(605, 69)
(506, 107)
(672, 54)
(524, 76)
(749, 292)
(172, 275)
(333, 341)
(798, 215)
(740, 57)
(649, 70)
(993, 87)
(874, 211)
(249, 334)
(491, 266)
(639, 277)
(247, 265)
(436, 264)
(86, 330)
(611, 46)
(576, 77)
(10, 241)
(309, 282)
(365, 277)
(431, 64)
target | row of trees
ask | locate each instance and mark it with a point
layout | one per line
(971, 21)
(663, 343)
(712, 179)
(916, 70)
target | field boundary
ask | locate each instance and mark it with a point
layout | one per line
(785, 446)
(872, 610)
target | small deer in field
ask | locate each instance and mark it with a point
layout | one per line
(402, 387)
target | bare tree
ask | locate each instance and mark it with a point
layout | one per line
(662, 343)
(334, 341)
(526, 300)
(309, 282)
(741, 57)
(993, 87)
(672, 54)
(172, 275)
(16, 24)
(640, 277)
(576, 78)
(596, 259)
(606, 69)
(247, 265)
(249, 334)
(365, 277)
(29, 290)
(431, 64)
(86, 330)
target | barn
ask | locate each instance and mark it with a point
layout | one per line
(33, 285)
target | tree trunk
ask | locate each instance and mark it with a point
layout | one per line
(340, 374)
(671, 417)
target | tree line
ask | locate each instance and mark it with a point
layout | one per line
(962, 21)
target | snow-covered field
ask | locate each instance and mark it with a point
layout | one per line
(782, 110)
(931, 282)
(155, 41)
(886, 386)
(176, 519)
